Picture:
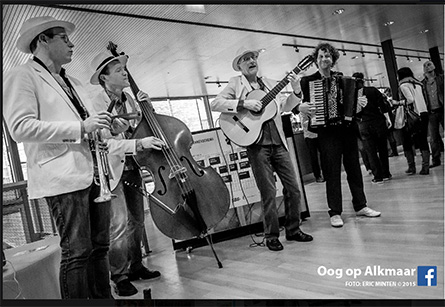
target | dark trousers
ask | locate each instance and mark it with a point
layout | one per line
(313, 147)
(363, 154)
(418, 140)
(374, 135)
(264, 160)
(83, 227)
(435, 119)
(127, 226)
(337, 143)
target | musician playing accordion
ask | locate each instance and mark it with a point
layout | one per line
(337, 135)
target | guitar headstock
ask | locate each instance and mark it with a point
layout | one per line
(306, 62)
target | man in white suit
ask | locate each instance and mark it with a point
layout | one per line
(50, 113)
(127, 209)
(269, 153)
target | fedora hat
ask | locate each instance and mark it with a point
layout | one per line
(36, 25)
(240, 53)
(101, 60)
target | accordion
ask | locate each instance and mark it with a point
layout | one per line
(334, 99)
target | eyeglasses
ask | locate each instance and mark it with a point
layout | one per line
(64, 37)
(248, 57)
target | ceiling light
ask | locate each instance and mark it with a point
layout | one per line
(363, 55)
(296, 49)
(419, 59)
(195, 8)
(338, 12)
(388, 23)
(380, 56)
(354, 57)
(344, 52)
(424, 31)
(261, 50)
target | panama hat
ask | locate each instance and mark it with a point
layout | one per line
(34, 26)
(240, 53)
(101, 60)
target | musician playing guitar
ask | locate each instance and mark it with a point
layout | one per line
(269, 152)
(337, 141)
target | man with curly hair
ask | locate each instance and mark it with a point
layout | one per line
(337, 141)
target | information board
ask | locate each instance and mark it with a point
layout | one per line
(213, 148)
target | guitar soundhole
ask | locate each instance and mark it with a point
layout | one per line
(257, 112)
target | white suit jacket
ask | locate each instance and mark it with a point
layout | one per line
(238, 88)
(118, 146)
(38, 113)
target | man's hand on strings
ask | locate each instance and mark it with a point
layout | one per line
(151, 142)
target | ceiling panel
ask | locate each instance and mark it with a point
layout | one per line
(173, 50)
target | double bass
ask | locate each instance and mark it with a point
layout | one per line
(188, 200)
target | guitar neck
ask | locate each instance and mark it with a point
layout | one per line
(274, 92)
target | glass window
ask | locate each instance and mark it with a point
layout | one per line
(190, 111)
(7, 171)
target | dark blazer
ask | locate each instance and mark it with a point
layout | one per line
(376, 105)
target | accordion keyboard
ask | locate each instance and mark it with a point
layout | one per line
(317, 99)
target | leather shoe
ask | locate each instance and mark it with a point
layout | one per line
(143, 273)
(300, 236)
(274, 245)
(125, 288)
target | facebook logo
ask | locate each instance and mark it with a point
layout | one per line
(427, 276)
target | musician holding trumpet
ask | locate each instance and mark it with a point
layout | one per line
(127, 209)
(51, 114)
(337, 139)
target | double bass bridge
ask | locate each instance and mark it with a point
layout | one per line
(179, 172)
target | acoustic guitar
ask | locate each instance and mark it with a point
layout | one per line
(244, 127)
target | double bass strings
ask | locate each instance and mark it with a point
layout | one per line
(170, 155)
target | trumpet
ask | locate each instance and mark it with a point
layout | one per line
(102, 173)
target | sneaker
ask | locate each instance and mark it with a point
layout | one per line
(387, 178)
(143, 273)
(125, 288)
(336, 221)
(274, 244)
(368, 212)
(377, 181)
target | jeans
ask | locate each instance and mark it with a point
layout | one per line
(83, 227)
(337, 143)
(435, 120)
(374, 135)
(126, 227)
(264, 161)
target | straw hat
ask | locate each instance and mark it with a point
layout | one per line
(34, 26)
(101, 60)
(240, 53)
